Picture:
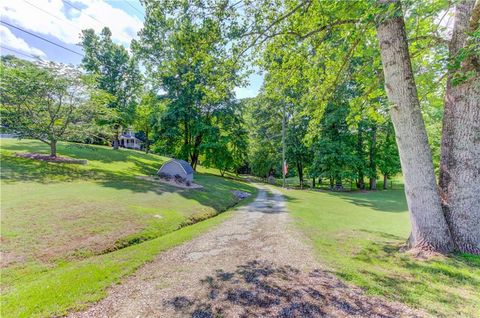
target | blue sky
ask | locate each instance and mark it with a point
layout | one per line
(61, 21)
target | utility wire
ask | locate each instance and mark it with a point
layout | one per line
(42, 38)
(134, 8)
(18, 52)
(80, 10)
(53, 15)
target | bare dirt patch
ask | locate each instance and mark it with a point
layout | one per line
(253, 265)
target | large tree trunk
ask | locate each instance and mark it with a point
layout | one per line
(373, 166)
(53, 148)
(460, 158)
(429, 228)
(385, 181)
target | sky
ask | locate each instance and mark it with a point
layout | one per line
(61, 21)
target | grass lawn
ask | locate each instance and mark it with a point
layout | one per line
(59, 221)
(359, 236)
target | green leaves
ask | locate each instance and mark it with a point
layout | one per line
(114, 71)
(48, 101)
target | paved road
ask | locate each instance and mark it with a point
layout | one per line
(255, 264)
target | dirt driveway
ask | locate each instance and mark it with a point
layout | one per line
(255, 264)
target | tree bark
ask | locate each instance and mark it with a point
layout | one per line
(429, 228)
(460, 155)
(373, 166)
(116, 141)
(385, 180)
(147, 143)
(53, 148)
(313, 183)
(300, 174)
(361, 181)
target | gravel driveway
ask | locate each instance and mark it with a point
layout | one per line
(255, 264)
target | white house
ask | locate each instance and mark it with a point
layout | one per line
(128, 140)
(177, 166)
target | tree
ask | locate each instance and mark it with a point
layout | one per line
(225, 145)
(116, 72)
(388, 161)
(429, 227)
(188, 54)
(47, 101)
(460, 155)
(334, 155)
(264, 127)
(147, 114)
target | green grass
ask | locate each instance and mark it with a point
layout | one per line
(56, 211)
(359, 236)
(61, 222)
(46, 292)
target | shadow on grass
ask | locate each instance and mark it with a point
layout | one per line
(442, 283)
(381, 201)
(217, 192)
(261, 289)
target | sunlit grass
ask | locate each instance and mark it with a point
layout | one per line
(359, 236)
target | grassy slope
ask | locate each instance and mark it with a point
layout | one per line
(42, 292)
(57, 217)
(359, 236)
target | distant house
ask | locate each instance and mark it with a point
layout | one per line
(128, 140)
(177, 167)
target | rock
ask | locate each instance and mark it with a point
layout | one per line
(240, 194)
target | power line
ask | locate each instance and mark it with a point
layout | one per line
(53, 15)
(134, 8)
(18, 52)
(42, 38)
(80, 10)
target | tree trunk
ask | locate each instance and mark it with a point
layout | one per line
(147, 143)
(429, 228)
(53, 148)
(385, 180)
(373, 166)
(116, 141)
(332, 183)
(300, 174)
(361, 181)
(460, 157)
(313, 183)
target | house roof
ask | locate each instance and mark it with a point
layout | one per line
(185, 165)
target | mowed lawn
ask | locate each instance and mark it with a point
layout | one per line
(359, 236)
(60, 221)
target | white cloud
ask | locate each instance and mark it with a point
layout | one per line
(9, 40)
(56, 18)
